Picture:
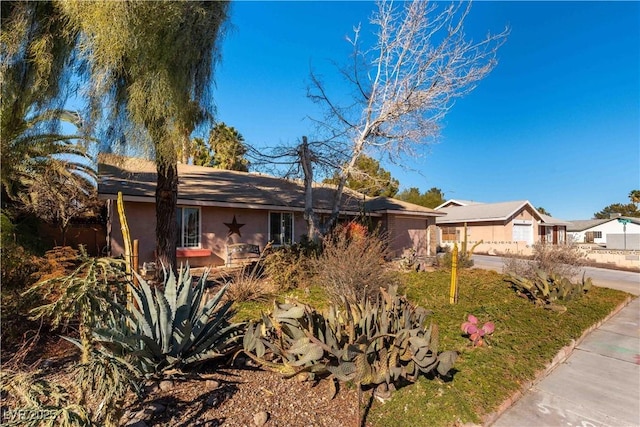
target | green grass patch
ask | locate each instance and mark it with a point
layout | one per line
(315, 296)
(525, 340)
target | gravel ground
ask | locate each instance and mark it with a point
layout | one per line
(245, 397)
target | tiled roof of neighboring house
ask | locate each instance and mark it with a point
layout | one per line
(477, 212)
(205, 186)
(456, 202)
(585, 224)
(549, 220)
(481, 212)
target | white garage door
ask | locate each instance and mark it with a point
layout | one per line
(523, 233)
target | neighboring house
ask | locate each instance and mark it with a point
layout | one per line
(498, 225)
(220, 209)
(611, 233)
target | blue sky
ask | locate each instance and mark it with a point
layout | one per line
(557, 122)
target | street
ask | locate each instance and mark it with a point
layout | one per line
(622, 280)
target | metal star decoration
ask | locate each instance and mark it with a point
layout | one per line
(234, 227)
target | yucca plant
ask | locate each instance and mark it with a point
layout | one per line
(172, 327)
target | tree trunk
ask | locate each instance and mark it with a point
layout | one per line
(344, 174)
(309, 214)
(166, 202)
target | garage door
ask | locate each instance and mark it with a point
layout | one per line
(523, 233)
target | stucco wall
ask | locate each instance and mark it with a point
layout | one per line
(496, 231)
(214, 232)
(407, 232)
(404, 232)
(611, 227)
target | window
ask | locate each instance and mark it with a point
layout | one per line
(590, 235)
(449, 234)
(188, 227)
(281, 228)
(561, 236)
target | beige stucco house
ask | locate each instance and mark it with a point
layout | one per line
(505, 226)
(218, 209)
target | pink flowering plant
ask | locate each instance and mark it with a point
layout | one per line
(475, 333)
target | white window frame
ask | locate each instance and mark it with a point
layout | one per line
(181, 230)
(282, 229)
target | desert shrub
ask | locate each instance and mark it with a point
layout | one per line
(547, 290)
(444, 260)
(560, 260)
(20, 269)
(290, 267)
(40, 402)
(352, 264)
(96, 398)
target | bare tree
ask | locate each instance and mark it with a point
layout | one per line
(404, 84)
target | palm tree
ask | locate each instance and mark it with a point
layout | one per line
(229, 149)
(36, 49)
(634, 196)
(30, 150)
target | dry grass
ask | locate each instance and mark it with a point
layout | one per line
(246, 284)
(563, 260)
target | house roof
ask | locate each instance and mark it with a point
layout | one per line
(479, 212)
(585, 224)
(205, 186)
(482, 212)
(549, 220)
(456, 202)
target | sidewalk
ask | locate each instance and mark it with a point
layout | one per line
(597, 385)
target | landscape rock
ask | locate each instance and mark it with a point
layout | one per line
(166, 385)
(260, 418)
(212, 384)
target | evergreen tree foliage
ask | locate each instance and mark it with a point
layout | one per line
(429, 199)
(36, 52)
(368, 178)
(150, 67)
(618, 208)
(543, 211)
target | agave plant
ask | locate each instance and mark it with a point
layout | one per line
(547, 289)
(174, 327)
(367, 343)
